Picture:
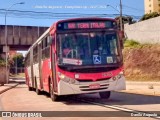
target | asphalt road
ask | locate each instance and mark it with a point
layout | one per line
(20, 99)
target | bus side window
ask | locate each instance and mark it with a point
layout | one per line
(35, 54)
(27, 60)
(43, 49)
(46, 47)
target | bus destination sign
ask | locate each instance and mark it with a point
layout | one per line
(87, 25)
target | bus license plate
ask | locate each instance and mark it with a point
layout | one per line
(94, 86)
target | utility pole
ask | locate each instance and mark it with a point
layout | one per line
(120, 14)
(16, 65)
(6, 43)
(121, 20)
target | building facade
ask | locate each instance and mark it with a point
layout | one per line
(152, 6)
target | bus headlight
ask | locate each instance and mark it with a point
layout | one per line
(65, 78)
(121, 73)
(119, 76)
(61, 76)
(114, 78)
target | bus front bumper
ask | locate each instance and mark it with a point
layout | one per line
(66, 88)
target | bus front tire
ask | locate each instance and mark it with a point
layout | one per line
(105, 95)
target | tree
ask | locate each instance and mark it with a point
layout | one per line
(149, 16)
(18, 60)
(125, 19)
(2, 62)
(17, 63)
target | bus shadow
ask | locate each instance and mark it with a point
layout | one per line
(116, 98)
(119, 98)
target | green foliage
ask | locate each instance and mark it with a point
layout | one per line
(18, 60)
(2, 63)
(131, 43)
(125, 19)
(149, 15)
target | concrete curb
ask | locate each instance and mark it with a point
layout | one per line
(143, 83)
(139, 92)
(143, 88)
(4, 90)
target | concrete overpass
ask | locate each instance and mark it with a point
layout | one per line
(19, 37)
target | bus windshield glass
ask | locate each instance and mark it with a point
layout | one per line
(93, 48)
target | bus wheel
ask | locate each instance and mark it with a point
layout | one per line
(52, 95)
(37, 90)
(2, 84)
(105, 95)
(30, 88)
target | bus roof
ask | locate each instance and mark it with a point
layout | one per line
(89, 18)
(39, 39)
(77, 19)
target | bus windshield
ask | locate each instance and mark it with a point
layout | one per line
(93, 48)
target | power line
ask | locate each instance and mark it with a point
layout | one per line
(51, 15)
(132, 8)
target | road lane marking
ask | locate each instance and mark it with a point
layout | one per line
(120, 108)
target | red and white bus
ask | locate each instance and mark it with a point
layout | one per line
(77, 56)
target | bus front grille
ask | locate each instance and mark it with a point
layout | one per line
(90, 80)
(87, 87)
(94, 89)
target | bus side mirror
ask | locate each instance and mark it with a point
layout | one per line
(50, 40)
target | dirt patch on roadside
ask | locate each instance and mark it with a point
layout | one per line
(142, 63)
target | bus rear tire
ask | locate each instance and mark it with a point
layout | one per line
(2, 84)
(30, 88)
(105, 95)
(52, 95)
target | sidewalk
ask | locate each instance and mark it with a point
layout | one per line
(146, 88)
(7, 87)
(13, 82)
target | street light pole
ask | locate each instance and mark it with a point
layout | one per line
(6, 46)
(120, 13)
(121, 20)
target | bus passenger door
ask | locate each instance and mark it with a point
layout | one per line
(53, 64)
(31, 63)
(40, 63)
